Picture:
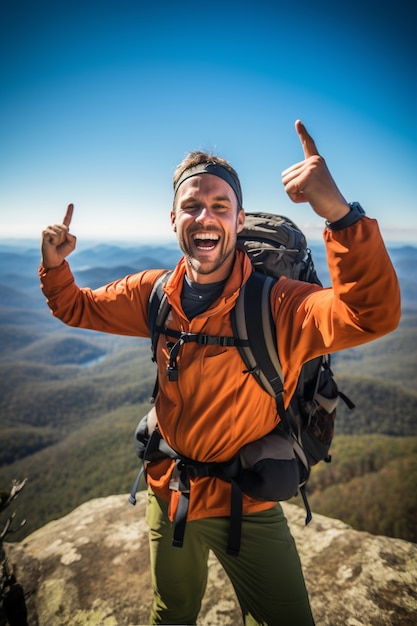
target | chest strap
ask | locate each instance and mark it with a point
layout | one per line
(200, 339)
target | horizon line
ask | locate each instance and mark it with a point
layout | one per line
(4, 240)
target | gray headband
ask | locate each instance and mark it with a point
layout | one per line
(216, 170)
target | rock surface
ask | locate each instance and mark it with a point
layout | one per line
(92, 568)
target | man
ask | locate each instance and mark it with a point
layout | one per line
(211, 408)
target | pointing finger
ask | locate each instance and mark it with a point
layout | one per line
(307, 142)
(68, 215)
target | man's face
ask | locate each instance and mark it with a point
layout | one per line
(206, 220)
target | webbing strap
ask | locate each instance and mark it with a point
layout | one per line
(201, 339)
(226, 472)
(181, 520)
(235, 522)
(132, 497)
(303, 493)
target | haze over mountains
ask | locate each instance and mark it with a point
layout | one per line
(70, 399)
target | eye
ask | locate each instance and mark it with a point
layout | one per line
(219, 207)
(191, 208)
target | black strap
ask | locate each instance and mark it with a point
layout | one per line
(346, 400)
(235, 523)
(261, 358)
(224, 471)
(303, 493)
(158, 308)
(252, 322)
(202, 340)
(132, 497)
(181, 520)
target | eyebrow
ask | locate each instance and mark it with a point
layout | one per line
(193, 196)
(222, 199)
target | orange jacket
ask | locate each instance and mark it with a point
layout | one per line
(215, 408)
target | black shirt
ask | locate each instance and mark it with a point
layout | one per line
(197, 298)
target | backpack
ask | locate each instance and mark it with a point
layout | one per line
(277, 466)
(277, 247)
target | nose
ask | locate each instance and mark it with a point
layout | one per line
(204, 215)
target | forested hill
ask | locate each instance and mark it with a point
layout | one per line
(70, 400)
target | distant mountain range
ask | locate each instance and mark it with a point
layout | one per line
(96, 265)
(22, 303)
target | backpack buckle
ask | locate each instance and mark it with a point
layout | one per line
(172, 373)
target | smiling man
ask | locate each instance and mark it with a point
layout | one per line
(214, 407)
(207, 216)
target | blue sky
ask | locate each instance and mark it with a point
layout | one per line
(99, 101)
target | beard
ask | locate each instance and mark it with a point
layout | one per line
(199, 263)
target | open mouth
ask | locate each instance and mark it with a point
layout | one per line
(206, 241)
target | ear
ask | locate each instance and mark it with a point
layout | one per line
(240, 221)
(173, 224)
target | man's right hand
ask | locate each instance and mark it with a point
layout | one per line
(310, 181)
(57, 243)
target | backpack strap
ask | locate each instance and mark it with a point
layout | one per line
(158, 309)
(252, 322)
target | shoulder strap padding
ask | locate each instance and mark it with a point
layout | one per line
(252, 321)
(158, 308)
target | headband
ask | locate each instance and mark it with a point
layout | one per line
(216, 170)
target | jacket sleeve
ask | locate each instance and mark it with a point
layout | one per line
(119, 307)
(362, 304)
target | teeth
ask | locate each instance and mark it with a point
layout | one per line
(207, 236)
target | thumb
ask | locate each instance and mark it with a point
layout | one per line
(307, 142)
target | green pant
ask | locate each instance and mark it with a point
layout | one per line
(266, 576)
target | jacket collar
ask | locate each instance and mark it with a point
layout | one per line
(242, 269)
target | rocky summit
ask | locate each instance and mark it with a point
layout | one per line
(92, 568)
